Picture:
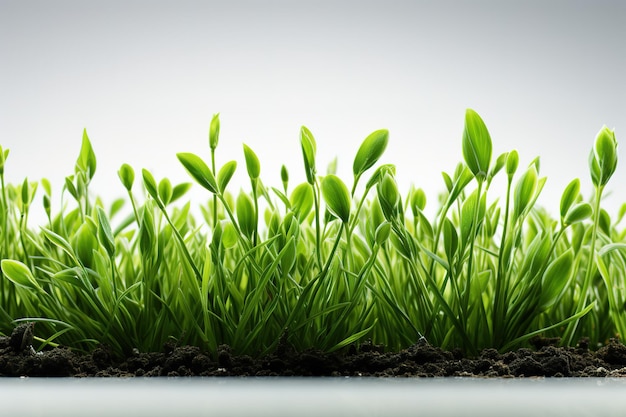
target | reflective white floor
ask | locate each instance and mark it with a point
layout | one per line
(312, 397)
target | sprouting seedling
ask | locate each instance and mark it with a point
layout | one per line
(602, 165)
(126, 174)
(84, 171)
(254, 171)
(214, 136)
(337, 197)
(394, 280)
(284, 177)
(309, 148)
(477, 150)
(338, 203)
(369, 153)
(477, 145)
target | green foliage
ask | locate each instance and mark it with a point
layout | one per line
(19, 274)
(477, 146)
(252, 163)
(485, 272)
(127, 176)
(309, 148)
(603, 157)
(214, 131)
(370, 152)
(226, 173)
(337, 197)
(199, 171)
(86, 162)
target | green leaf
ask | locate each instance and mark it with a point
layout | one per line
(245, 214)
(165, 191)
(604, 222)
(331, 168)
(370, 152)
(85, 242)
(71, 188)
(127, 176)
(525, 191)
(25, 193)
(301, 201)
(252, 162)
(4, 154)
(379, 173)
(337, 197)
(199, 171)
(47, 204)
(229, 235)
(148, 238)
(603, 157)
(309, 147)
(570, 194)
(150, 184)
(418, 201)
(477, 145)
(382, 232)
(447, 181)
(450, 239)
(45, 183)
(467, 215)
(19, 274)
(388, 196)
(512, 162)
(60, 243)
(214, 131)
(180, 190)
(621, 213)
(86, 162)
(500, 163)
(578, 213)
(462, 177)
(555, 279)
(104, 233)
(284, 176)
(283, 197)
(225, 174)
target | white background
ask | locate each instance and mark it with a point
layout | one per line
(145, 78)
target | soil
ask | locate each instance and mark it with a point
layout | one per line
(420, 360)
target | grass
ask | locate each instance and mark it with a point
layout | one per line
(320, 264)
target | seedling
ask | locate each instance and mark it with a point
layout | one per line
(322, 264)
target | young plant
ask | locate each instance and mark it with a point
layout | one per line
(329, 267)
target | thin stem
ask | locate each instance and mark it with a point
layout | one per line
(470, 262)
(214, 196)
(582, 300)
(132, 202)
(497, 319)
(255, 237)
(5, 234)
(183, 247)
(318, 240)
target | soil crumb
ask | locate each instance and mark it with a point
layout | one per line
(419, 360)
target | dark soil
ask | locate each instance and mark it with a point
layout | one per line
(420, 360)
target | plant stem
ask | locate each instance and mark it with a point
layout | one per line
(582, 300)
(470, 261)
(499, 310)
(318, 240)
(214, 196)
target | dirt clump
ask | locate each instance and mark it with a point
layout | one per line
(419, 360)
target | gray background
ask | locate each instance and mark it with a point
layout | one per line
(144, 78)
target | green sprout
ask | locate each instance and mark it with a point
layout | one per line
(330, 266)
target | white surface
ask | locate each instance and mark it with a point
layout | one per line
(312, 397)
(145, 77)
